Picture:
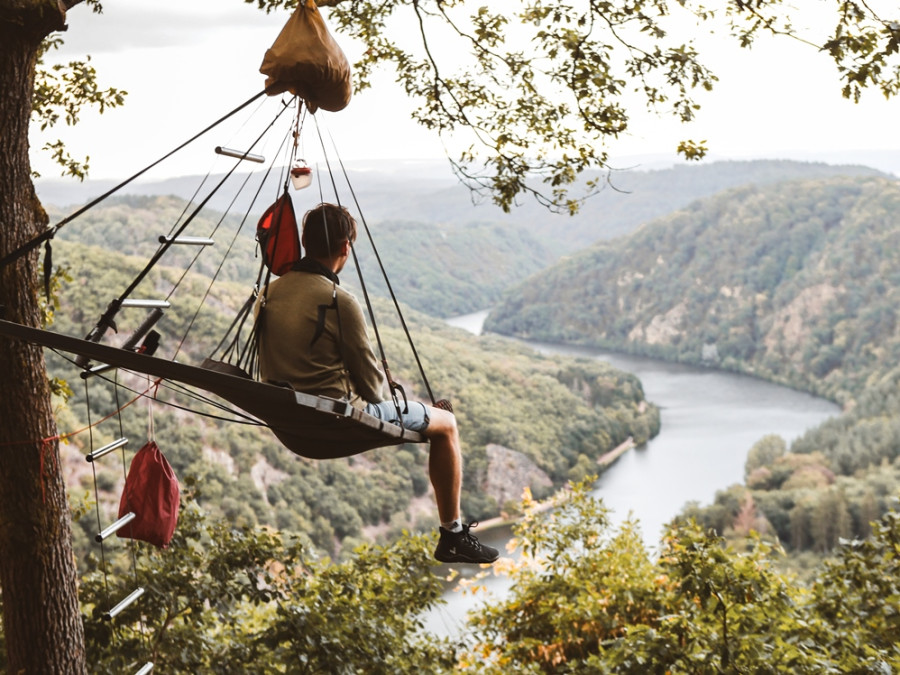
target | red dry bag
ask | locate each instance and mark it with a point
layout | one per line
(278, 237)
(151, 493)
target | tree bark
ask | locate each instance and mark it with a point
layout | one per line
(41, 617)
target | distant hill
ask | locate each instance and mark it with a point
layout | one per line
(798, 282)
(443, 271)
(444, 254)
(426, 192)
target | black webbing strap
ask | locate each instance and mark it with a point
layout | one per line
(48, 268)
(439, 404)
(320, 319)
(365, 291)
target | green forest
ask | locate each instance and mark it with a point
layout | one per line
(281, 564)
(584, 599)
(241, 472)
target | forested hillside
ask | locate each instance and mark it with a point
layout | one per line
(242, 472)
(582, 599)
(631, 197)
(796, 283)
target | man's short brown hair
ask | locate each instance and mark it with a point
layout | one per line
(326, 228)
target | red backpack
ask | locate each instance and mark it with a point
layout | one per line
(278, 237)
(152, 494)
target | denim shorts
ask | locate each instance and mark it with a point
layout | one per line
(414, 420)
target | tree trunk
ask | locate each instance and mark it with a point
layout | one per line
(41, 618)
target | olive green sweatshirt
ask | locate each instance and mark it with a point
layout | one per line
(317, 348)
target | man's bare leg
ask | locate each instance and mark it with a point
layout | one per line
(444, 463)
(456, 544)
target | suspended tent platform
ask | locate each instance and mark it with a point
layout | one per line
(316, 427)
(308, 63)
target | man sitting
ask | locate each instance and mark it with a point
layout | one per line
(313, 336)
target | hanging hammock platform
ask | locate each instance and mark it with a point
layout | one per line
(316, 427)
(311, 426)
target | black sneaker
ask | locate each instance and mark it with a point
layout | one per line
(463, 547)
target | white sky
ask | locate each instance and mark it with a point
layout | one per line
(187, 62)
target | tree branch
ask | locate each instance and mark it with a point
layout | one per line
(38, 18)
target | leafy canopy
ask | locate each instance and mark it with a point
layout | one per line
(61, 92)
(587, 600)
(538, 88)
(534, 90)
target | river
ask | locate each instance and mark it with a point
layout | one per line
(709, 421)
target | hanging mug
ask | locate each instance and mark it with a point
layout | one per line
(301, 176)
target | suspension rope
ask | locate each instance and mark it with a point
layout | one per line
(234, 199)
(209, 171)
(348, 387)
(157, 384)
(244, 418)
(132, 547)
(106, 320)
(384, 274)
(362, 281)
(387, 281)
(90, 428)
(230, 246)
(248, 357)
(132, 544)
(48, 234)
(299, 118)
